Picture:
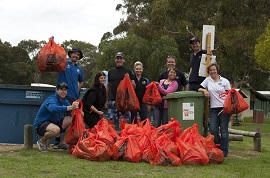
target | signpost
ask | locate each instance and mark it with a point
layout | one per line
(208, 45)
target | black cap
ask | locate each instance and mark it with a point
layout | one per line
(119, 54)
(194, 39)
(76, 50)
(62, 85)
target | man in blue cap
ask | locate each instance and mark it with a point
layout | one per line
(53, 117)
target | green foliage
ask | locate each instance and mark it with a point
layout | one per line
(262, 52)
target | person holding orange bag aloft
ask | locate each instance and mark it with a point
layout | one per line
(212, 87)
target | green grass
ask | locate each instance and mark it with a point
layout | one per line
(242, 161)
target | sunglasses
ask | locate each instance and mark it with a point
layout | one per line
(62, 85)
(119, 57)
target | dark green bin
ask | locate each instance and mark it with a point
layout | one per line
(187, 107)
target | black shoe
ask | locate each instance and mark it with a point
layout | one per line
(56, 145)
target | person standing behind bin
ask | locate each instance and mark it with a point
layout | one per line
(51, 119)
(195, 60)
(165, 86)
(180, 77)
(94, 100)
(212, 87)
(141, 83)
(115, 75)
(73, 76)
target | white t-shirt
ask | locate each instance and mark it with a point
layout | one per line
(214, 89)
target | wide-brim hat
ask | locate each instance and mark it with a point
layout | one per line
(76, 50)
(194, 39)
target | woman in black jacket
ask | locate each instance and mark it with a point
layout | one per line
(94, 100)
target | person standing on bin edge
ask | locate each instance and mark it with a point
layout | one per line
(52, 119)
(141, 83)
(195, 60)
(115, 75)
(180, 77)
(212, 87)
(94, 100)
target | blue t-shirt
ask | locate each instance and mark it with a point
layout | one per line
(71, 76)
(51, 110)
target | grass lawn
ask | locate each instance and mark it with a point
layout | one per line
(242, 161)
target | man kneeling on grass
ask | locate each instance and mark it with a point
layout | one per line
(53, 118)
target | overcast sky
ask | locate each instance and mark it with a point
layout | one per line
(83, 20)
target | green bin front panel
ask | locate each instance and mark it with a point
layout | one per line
(187, 107)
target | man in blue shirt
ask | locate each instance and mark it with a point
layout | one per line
(51, 120)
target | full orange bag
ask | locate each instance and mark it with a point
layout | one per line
(152, 95)
(77, 126)
(126, 99)
(234, 103)
(52, 58)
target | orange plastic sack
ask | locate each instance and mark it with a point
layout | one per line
(152, 95)
(52, 58)
(126, 99)
(234, 103)
(133, 152)
(77, 126)
(90, 148)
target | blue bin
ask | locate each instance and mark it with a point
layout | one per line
(18, 106)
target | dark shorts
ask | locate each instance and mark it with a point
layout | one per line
(41, 129)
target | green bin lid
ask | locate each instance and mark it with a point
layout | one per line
(184, 94)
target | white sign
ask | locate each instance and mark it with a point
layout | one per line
(202, 69)
(188, 111)
(34, 94)
(206, 30)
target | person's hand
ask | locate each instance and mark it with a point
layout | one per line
(51, 38)
(100, 113)
(82, 113)
(206, 93)
(106, 105)
(75, 105)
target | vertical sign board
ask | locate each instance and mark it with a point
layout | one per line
(208, 29)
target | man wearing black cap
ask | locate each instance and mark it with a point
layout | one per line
(53, 117)
(195, 60)
(115, 75)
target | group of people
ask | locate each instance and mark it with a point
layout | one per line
(54, 118)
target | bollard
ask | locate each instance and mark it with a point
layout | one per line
(28, 136)
(257, 140)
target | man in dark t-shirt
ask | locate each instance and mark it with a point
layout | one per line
(195, 60)
(115, 75)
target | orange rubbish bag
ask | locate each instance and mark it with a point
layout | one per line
(52, 58)
(152, 95)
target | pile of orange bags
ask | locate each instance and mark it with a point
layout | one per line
(165, 145)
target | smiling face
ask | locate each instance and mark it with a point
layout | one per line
(213, 71)
(62, 92)
(119, 61)
(171, 62)
(138, 69)
(172, 74)
(102, 80)
(74, 56)
(196, 46)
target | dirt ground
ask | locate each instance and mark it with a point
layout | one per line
(10, 147)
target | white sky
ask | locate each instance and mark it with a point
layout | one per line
(83, 20)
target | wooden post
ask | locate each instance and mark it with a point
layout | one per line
(28, 136)
(257, 140)
(206, 102)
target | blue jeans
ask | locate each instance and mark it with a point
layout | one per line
(219, 122)
(160, 116)
(142, 112)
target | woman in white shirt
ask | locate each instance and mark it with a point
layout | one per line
(212, 87)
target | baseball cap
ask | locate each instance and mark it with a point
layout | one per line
(62, 85)
(119, 54)
(194, 39)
